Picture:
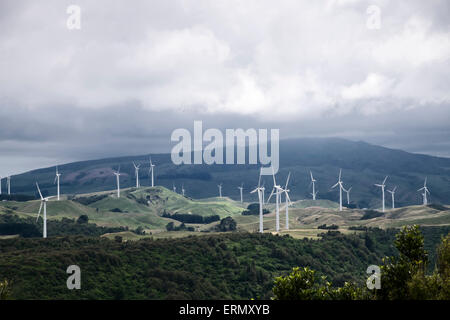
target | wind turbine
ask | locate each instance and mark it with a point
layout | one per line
(348, 194)
(136, 173)
(152, 169)
(392, 192)
(382, 190)
(220, 190)
(117, 174)
(339, 183)
(260, 191)
(173, 187)
(425, 191)
(8, 180)
(314, 192)
(57, 182)
(288, 201)
(241, 188)
(43, 203)
(182, 189)
(277, 190)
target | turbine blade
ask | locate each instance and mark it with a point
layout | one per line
(287, 180)
(271, 194)
(312, 179)
(340, 174)
(273, 175)
(335, 185)
(37, 185)
(39, 212)
(384, 181)
(287, 196)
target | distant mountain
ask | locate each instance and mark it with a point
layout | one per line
(363, 165)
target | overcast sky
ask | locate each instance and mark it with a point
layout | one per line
(136, 70)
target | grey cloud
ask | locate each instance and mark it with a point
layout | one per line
(136, 71)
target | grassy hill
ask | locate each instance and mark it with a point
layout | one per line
(136, 207)
(363, 165)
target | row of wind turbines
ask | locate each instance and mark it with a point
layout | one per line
(277, 190)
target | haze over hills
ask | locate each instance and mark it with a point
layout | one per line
(363, 165)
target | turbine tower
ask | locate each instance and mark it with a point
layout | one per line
(313, 182)
(43, 204)
(117, 174)
(425, 191)
(277, 190)
(57, 182)
(136, 173)
(382, 191)
(288, 201)
(8, 181)
(174, 188)
(152, 170)
(220, 190)
(182, 189)
(260, 191)
(339, 183)
(240, 189)
(392, 192)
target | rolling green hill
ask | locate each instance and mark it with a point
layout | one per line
(136, 207)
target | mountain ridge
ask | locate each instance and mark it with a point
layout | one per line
(363, 165)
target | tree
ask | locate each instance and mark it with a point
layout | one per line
(304, 284)
(83, 219)
(226, 224)
(5, 289)
(170, 226)
(397, 272)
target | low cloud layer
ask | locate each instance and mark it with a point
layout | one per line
(136, 71)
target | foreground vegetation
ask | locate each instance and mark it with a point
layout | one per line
(226, 266)
(402, 277)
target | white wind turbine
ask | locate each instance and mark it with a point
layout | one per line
(339, 183)
(260, 191)
(57, 182)
(392, 192)
(348, 194)
(313, 181)
(425, 191)
(277, 190)
(152, 166)
(117, 174)
(136, 173)
(220, 190)
(240, 189)
(382, 186)
(174, 188)
(43, 204)
(288, 201)
(182, 189)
